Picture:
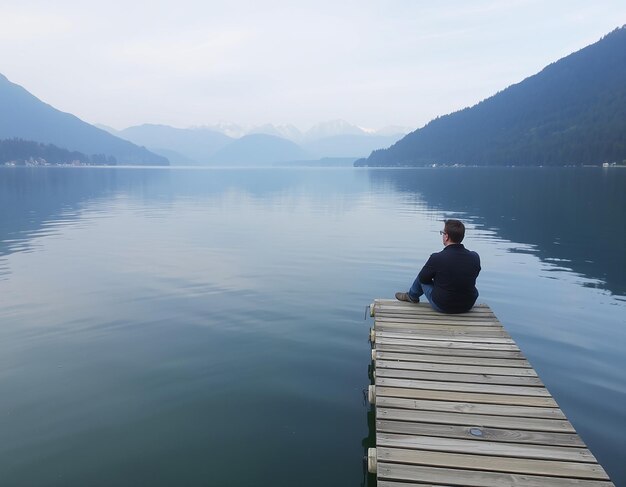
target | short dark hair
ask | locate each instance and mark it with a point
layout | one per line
(455, 230)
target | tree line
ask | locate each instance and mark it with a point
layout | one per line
(21, 152)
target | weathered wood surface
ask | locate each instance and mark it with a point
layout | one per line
(457, 403)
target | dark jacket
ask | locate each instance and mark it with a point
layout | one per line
(453, 273)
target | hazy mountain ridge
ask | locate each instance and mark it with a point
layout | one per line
(333, 128)
(186, 145)
(573, 112)
(209, 144)
(330, 128)
(24, 116)
(289, 132)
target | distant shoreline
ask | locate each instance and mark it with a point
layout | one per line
(300, 165)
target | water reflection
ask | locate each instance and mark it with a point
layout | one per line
(36, 202)
(572, 218)
(185, 319)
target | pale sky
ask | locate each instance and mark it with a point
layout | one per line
(372, 63)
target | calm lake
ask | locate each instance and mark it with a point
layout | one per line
(206, 327)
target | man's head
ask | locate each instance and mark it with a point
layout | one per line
(453, 232)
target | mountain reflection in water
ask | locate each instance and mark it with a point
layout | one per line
(570, 216)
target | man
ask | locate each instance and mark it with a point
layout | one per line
(448, 279)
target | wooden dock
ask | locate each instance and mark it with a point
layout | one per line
(457, 404)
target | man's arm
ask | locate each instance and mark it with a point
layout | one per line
(427, 274)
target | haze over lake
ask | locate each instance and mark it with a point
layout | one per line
(176, 326)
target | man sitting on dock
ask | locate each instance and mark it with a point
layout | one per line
(448, 279)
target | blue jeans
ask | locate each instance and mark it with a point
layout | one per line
(418, 289)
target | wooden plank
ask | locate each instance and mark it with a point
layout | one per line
(448, 344)
(473, 408)
(396, 318)
(462, 387)
(453, 337)
(466, 397)
(492, 463)
(392, 303)
(438, 320)
(456, 356)
(420, 322)
(445, 344)
(458, 329)
(454, 368)
(525, 466)
(431, 314)
(391, 483)
(458, 352)
(514, 478)
(477, 420)
(488, 434)
(399, 371)
(426, 310)
(395, 302)
(475, 478)
(478, 447)
(492, 323)
(425, 307)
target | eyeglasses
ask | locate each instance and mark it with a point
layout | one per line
(441, 232)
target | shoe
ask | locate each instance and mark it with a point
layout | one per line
(405, 297)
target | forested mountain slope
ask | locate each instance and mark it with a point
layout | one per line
(572, 112)
(24, 116)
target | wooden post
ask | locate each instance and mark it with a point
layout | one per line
(371, 460)
(371, 394)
